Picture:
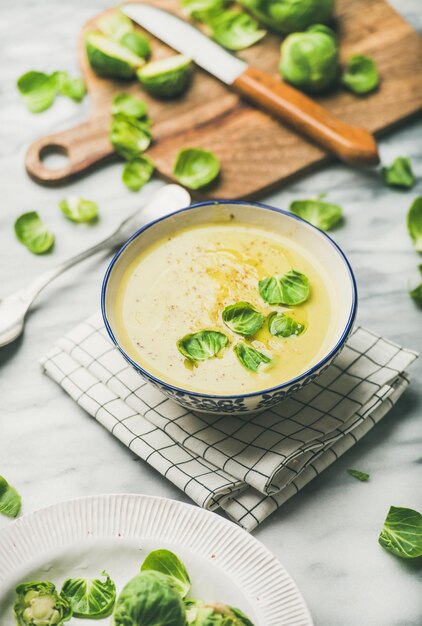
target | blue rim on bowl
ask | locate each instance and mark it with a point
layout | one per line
(289, 383)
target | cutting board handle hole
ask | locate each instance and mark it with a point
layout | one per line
(54, 156)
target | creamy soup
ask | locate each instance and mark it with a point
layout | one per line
(181, 285)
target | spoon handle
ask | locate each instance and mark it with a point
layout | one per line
(166, 200)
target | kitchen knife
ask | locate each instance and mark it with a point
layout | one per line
(351, 144)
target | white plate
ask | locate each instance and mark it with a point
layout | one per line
(115, 532)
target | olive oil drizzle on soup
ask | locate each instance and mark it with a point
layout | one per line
(181, 284)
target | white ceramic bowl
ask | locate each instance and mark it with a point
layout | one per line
(322, 246)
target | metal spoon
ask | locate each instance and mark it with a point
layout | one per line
(13, 308)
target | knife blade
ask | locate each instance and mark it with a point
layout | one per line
(352, 144)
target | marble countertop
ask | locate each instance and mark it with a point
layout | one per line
(50, 450)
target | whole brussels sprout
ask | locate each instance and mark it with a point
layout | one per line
(39, 604)
(289, 16)
(310, 60)
(150, 599)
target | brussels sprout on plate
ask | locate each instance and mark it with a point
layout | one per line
(289, 16)
(90, 599)
(196, 168)
(309, 60)
(199, 613)
(39, 604)
(167, 78)
(109, 58)
(169, 564)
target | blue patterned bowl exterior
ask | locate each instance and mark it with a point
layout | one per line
(246, 212)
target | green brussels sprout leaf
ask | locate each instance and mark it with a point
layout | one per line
(243, 319)
(416, 293)
(360, 74)
(362, 476)
(73, 88)
(291, 288)
(129, 106)
(39, 604)
(137, 172)
(79, 210)
(115, 25)
(109, 58)
(402, 533)
(200, 613)
(251, 358)
(309, 60)
(235, 30)
(399, 174)
(90, 599)
(202, 345)
(150, 599)
(167, 78)
(196, 168)
(38, 90)
(130, 137)
(33, 233)
(200, 9)
(290, 16)
(169, 563)
(282, 325)
(10, 500)
(414, 223)
(321, 214)
(137, 43)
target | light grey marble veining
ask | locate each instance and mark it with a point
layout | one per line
(327, 535)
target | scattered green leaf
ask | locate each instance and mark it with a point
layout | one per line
(291, 288)
(399, 174)
(402, 532)
(10, 500)
(130, 137)
(137, 43)
(166, 78)
(243, 319)
(38, 90)
(321, 214)
(282, 325)
(416, 293)
(250, 358)
(33, 233)
(115, 25)
(129, 106)
(362, 476)
(73, 88)
(235, 30)
(79, 210)
(39, 604)
(199, 9)
(168, 563)
(202, 345)
(137, 172)
(90, 599)
(360, 74)
(196, 168)
(414, 223)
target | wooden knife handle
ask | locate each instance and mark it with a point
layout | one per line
(84, 145)
(351, 144)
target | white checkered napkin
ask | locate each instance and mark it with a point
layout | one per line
(247, 466)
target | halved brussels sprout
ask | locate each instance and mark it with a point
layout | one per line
(39, 604)
(109, 58)
(137, 43)
(199, 613)
(360, 74)
(289, 16)
(310, 60)
(167, 78)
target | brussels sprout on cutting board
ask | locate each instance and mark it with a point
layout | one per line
(167, 78)
(109, 58)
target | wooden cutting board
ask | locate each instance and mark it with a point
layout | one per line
(257, 152)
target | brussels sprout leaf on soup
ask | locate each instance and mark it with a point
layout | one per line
(10, 500)
(167, 78)
(288, 16)
(79, 210)
(129, 105)
(169, 563)
(195, 168)
(90, 599)
(399, 174)
(360, 74)
(202, 345)
(235, 30)
(414, 223)
(321, 214)
(282, 325)
(39, 604)
(402, 533)
(130, 137)
(243, 319)
(33, 233)
(250, 358)
(291, 288)
(137, 172)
